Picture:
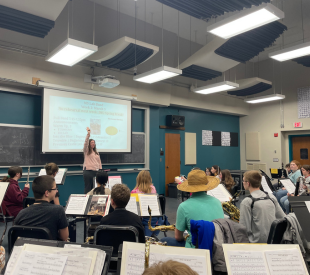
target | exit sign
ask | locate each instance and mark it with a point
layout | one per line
(297, 125)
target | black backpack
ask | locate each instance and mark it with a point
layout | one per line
(260, 199)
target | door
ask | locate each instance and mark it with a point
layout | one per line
(301, 149)
(172, 158)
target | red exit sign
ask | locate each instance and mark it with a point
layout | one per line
(297, 125)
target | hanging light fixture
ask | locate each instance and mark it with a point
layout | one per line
(161, 73)
(72, 51)
(216, 87)
(246, 20)
(264, 98)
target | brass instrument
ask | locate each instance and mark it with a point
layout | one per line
(232, 211)
(148, 242)
(162, 228)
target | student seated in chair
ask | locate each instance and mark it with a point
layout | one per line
(120, 196)
(42, 213)
(52, 170)
(259, 210)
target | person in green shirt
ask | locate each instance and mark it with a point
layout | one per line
(200, 206)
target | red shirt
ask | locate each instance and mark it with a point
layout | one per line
(13, 199)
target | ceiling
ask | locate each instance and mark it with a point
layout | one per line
(49, 9)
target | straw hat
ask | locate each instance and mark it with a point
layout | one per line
(198, 181)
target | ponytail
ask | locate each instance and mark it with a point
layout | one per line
(6, 179)
(100, 190)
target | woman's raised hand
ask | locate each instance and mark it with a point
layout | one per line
(88, 130)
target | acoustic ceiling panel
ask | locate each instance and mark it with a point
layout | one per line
(124, 53)
(200, 73)
(205, 9)
(304, 60)
(23, 22)
(251, 86)
(246, 46)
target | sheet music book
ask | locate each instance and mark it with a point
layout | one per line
(265, 185)
(252, 259)
(289, 185)
(79, 260)
(221, 193)
(60, 176)
(112, 180)
(133, 258)
(88, 205)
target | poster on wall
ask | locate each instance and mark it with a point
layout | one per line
(217, 138)
(303, 95)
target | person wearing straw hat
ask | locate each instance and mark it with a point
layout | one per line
(200, 206)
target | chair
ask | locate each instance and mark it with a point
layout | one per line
(27, 232)
(276, 232)
(114, 235)
(28, 201)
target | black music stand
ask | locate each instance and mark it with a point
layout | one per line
(302, 213)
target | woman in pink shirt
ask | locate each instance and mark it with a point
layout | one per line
(92, 162)
(144, 183)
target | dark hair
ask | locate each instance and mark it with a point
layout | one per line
(51, 168)
(306, 167)
(227, 179)
(120, 194)
(102, 179)
(287, 165)
(40, 185)
(13, 170)
(90, 149)
(253, 177)
(217, 168)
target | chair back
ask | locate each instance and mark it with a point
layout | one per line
(28, 201)
(27, 232)
(277, 229)
(114, 235)
(162, 202)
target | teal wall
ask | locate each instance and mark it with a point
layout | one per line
(27, 111)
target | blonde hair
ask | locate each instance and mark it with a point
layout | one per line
(169, 268)
(144, 182)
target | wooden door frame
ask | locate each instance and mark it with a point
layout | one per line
(290, 144)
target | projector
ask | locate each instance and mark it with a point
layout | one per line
(108, 83)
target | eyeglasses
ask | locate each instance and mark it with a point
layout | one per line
(53, 189)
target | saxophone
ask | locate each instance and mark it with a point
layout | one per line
(162, 228)
(232, 211)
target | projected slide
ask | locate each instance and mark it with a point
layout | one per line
(66, 116)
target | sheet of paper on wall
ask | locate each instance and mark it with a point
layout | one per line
(77, 204)
(36, 263)
(246, 262)
(285, 262)
(132, 205)
(149, 201)
(221, 193)
(289, 185)
(59, 176)
(112, 180)
(265, 185)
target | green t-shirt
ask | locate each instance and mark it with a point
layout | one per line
(199, 207)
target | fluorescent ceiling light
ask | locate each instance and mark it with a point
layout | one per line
(246, 20)
(216, 87)
(265, 98)
(157, 74)
(291, 52)
(71, 52)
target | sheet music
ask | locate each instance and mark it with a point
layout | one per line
(247, 262)
(58, 177)
(114, 180)
(220, 193)
(289, 186)
(77, 204)
(77, 263)
(3, 188)
(135, 262)
(149, 200)
(308, 205)
(265, 185)
(13, 259)
(34, 263)
(197, 263)
(285, 262)
(132, 205)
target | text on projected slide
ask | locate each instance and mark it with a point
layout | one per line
(69, 117)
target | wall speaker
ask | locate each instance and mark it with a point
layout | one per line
(175, 121)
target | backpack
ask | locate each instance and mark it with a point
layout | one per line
(260, 199)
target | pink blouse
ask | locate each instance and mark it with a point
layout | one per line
(136, 190)
(91, 161)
